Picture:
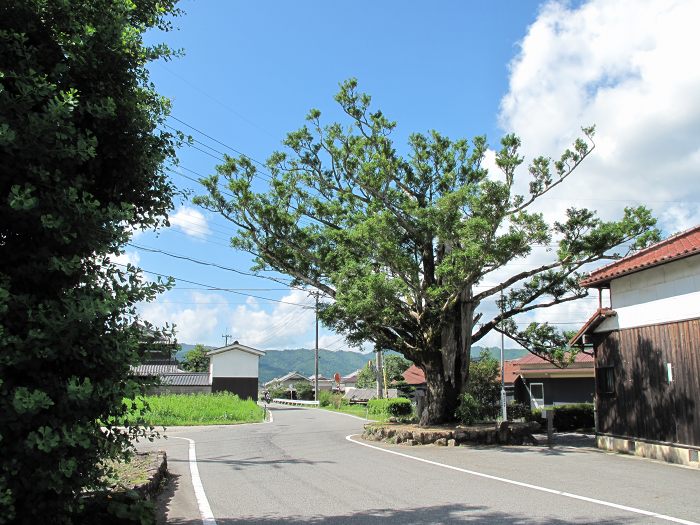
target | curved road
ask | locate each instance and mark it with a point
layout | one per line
(302, 468)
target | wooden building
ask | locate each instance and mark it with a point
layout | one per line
(646, 345)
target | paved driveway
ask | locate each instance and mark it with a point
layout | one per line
(303, 468)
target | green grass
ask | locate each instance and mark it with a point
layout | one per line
(200, 409)
(355, 410)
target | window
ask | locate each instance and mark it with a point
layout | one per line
(605, 380)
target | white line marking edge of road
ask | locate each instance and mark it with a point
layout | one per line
(528, 485)
(202, 501)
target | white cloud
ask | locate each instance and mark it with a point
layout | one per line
(628, 67)
(191, 221)
(286, 325)
(198, 323)
(127, 257)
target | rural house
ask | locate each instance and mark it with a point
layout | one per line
(234, 368)
(287, 380)
(537, 382)
(647, 350)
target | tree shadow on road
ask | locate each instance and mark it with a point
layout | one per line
(240, 464)
(440, 514)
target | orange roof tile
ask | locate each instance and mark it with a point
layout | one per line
(414, 375)
(677, 246)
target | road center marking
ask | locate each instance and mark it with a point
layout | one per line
(202, 501)
(530, 486)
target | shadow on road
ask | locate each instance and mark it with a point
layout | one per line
(239, 464)
(416, 516)
(165, 496)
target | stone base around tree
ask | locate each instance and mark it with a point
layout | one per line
(507, 433)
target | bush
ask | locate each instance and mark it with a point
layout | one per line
(304, 391)
(518, 410)
(324, 398)
(469, 410)
(568, 417)
(397, 407)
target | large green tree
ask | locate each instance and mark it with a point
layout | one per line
(196, 360)
(403, 244)
(82, 167)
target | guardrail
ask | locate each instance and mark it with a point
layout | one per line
(298, 402)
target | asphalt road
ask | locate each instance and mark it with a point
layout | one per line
(301, 468)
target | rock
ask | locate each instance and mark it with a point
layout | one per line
(441, 442)
(409, 442)
(451, 442)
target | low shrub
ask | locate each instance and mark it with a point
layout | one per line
(518, 410)
(331, 399)
(568, 417)
(396, 407)
(468, 411)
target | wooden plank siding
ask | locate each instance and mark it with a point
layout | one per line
(644, 405)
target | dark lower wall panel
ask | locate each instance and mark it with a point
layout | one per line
(243, 387)
(644, 403)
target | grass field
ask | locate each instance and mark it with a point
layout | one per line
(201, 409)
(355, 410)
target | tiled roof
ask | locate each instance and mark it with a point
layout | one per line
(511, 369)
(414, 375)
(156, 369)
(600, 315)
(675, 247)
(186, 379)
(531, 361)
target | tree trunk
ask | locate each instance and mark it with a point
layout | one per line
(447, 367)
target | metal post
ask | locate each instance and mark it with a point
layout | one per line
(316, 354)
(380, 373)
(504, 410)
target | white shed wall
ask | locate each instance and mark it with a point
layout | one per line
(666, 293)
(234, 363)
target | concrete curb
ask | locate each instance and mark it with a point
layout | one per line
(156, 473)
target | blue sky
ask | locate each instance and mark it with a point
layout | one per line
(252, 70)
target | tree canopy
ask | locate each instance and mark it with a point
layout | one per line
(82, 168)
(404, 245)
(196, 360)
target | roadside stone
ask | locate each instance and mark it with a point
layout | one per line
(409, 442)
(441, 442)
(451, 442)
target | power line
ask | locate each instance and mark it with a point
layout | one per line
(217, 288)
(208, 263)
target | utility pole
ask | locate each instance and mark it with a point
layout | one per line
(226, 336)
(504, 410)
(380, 373)
(316, 354)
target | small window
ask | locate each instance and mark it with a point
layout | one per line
(605, 380)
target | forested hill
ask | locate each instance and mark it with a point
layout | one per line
(277, 363)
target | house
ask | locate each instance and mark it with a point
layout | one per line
(323, 382)
(234, 368)
(646, 345)
(538, 382)
(172, 379)
(350, 380)
(287, 380)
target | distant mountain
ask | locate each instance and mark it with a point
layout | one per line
(277, 363)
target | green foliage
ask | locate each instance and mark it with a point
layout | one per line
(575, 416)
(367, 377)
(401, 245)
(221, 408)
(278, 392)
(396, 407)
(517, 410)
(394, 366)
(468, 410)
(329, 399)
(485, 385)
(82, 168)
(304, 391)
(196, 360)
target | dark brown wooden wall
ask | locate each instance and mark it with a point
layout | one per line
(243, 387)
(644, 404)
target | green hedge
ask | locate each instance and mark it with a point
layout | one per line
(397, 407)
(568, 417)
(326, 398)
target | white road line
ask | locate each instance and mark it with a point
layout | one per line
(530, 486)
(202, 501)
